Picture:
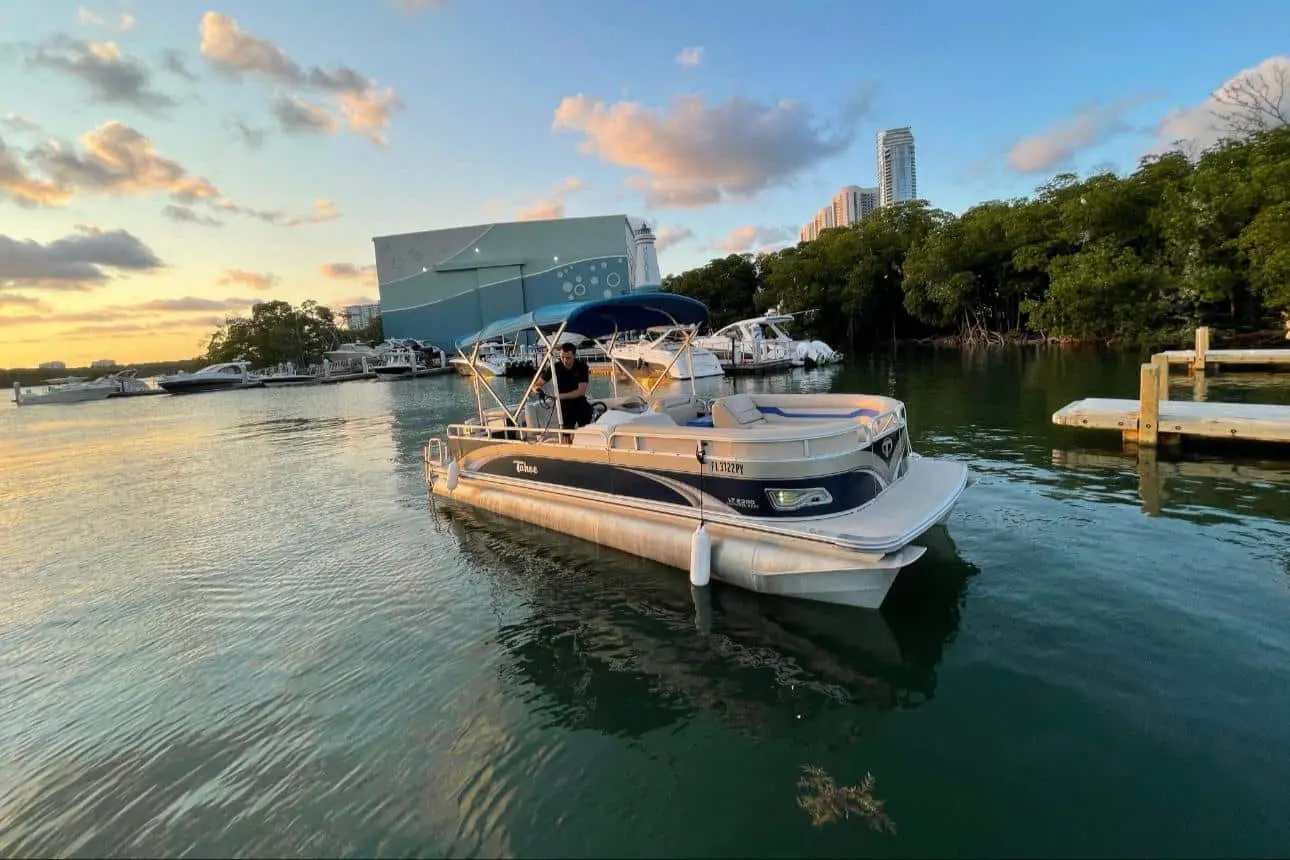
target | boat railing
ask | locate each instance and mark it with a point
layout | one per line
(436, 452)
(778, 439)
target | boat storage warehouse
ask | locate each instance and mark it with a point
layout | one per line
(441, 284)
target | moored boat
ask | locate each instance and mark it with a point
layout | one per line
(816, 496)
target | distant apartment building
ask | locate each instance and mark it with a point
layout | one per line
(897, 168)
(848, 206)
(852, 203)
(53, 365)
(103, 362)
(360, 316)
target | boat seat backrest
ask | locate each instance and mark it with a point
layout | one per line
(680, 408)
(736, 410)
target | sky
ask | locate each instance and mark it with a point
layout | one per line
(163, 164)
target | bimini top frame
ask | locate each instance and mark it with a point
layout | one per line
(589, 319)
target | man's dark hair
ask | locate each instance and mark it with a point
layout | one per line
(567, 346)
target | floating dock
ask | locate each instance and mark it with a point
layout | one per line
(1154, 419)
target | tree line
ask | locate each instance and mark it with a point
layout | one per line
(1137, 259)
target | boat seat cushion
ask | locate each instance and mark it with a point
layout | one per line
(736, 410)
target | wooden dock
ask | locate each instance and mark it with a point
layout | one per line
(1202, 358)
(1154, 419)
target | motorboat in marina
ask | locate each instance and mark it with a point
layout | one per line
(224, 376)
(489, 363)
(804, 353)
(814, 496)
(742, 347)
(78, 389)
(662, 353)
(286, 375)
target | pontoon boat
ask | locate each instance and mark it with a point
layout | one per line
(816, 496)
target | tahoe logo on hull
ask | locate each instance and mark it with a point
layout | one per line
(522, 468)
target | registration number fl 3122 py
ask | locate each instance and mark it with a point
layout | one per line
(726, 467)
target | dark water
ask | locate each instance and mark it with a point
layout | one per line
(233, 626)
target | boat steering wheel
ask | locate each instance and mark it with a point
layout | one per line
(598, 408)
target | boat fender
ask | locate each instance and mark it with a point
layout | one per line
(700, 557)
(454, 472)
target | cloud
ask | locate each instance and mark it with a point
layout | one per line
(1090, 126)
(189, 215)
(297, 116)
(690, 56)
(363, 107)
(252, 137)
(18, 183)
(116, 160)
(193, 304)
(249, 279)
(173, 61)
(347, 271)
(18, 123)
(111, 76)
(1253, 96)
(123, 21)
(666, 237)
(693, 154)
(79, 261)
(14, 300)
(178, 309)
(749, 237)
(552, 205)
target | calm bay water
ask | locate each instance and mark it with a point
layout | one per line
(233, 625)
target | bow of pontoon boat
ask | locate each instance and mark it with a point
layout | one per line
(817, 496)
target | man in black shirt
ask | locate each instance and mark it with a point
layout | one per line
(571, 378)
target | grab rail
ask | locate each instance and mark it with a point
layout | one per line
(761, 436)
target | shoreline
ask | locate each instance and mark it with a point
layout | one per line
(1269, 338)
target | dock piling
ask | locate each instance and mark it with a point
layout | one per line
(1202, 350)
(1148, 406)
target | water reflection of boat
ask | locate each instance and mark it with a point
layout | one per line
(615, 647)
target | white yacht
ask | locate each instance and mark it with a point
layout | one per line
(663, 353)
(78, 389)
(804, 353)
(816, 496)
(224, 376)
(742, 347)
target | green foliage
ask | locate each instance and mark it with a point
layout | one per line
(1178, 243)
(274, 333)
(372, 333)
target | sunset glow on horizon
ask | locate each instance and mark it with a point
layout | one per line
(163, 166)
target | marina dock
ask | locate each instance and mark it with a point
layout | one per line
(1202, 358)
(1153, 419)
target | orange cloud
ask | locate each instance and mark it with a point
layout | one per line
(253, 280)
(749, 237)
(365, 108)
(347, 271)
(116, 160)
(552, 206)
(693, 154)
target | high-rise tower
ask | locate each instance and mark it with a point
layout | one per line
(897, 170)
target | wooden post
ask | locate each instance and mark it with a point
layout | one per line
(1148, 406)
(1161, 362)
(1202, 349)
